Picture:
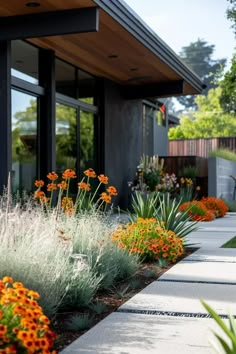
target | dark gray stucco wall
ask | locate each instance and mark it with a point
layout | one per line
(160, 140)
(123, 139)
(220, 184)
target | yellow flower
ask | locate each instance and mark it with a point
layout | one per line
(7, 279)
(17, 284)
(33, 294)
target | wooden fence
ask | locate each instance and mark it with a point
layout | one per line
(200, 147)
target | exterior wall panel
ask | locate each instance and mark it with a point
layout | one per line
(123, 139)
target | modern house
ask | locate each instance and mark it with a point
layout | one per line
(78, 81)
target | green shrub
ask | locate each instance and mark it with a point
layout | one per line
(231, 204)
(79, 322)
(189, 172)
(224, 154)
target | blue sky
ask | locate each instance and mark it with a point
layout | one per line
(179, 22)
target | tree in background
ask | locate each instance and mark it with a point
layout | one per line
(207, 121)
(198, 56)
(228, 84)
(231, 13)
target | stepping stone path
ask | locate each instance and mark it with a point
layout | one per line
(167, 317)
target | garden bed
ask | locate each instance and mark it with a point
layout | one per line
(112, 299)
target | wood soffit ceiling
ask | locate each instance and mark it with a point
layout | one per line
(112, 52)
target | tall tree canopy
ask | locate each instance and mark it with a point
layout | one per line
(207, 121)
(198, 56)
(228, 84)
(231, 13)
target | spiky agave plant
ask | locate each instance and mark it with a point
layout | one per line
(143, 206)
(174, 220)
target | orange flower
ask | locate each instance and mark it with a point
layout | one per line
(39, 183)
(33, 294)
(39, 194)
(67, 203)
(17, 284)
(112, 190)
(63, 185)
(52, 176)
(44, 199)
(103, 179)
(85, 186)
(105, 197)
(51, 187)
(90, 173)
(7, 279)
(23, 335)
(67, 174)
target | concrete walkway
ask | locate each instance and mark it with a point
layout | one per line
(167, 316)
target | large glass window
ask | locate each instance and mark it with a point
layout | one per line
(87, 87)
(65, 78)
(24, 140)
(66, 137)
(87, 141)
(24, 61)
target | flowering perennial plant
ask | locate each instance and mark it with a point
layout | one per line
(149, 173)
(149, 239)
(24, 329)
(216, 206)
(168, 183)
(197, 211)
(85, 199)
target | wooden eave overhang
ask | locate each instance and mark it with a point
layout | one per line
(120, 47)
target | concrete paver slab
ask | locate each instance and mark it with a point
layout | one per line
(141, 334)
(202, 271)
(213, 255)
(209, 238)
(183, 298)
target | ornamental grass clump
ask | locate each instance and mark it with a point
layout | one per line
(197, 211)
(216, 206)
(149, 239)
(59, 188)
(92, 238)
(33, 252)
(24, 329)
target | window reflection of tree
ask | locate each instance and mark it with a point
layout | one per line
(25, 130)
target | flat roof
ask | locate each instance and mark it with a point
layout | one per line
(124, 49)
